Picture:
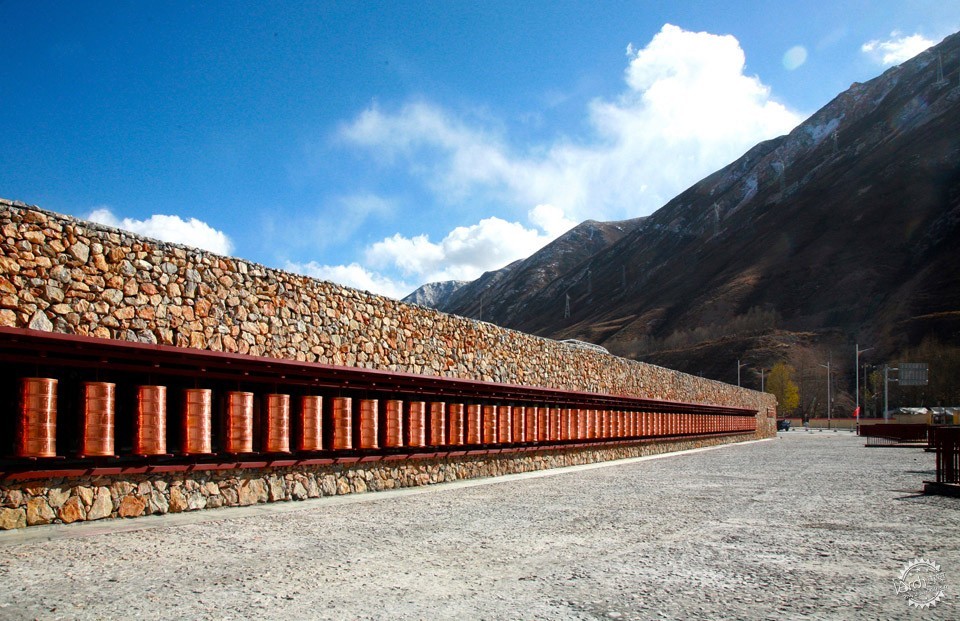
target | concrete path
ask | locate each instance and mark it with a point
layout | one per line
(811, 525)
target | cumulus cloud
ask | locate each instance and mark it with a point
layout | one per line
(687, 109)
(353, 275)
(897, 49)
(463, 254)
(174, 229)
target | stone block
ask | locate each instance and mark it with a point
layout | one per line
(12, 518)
(131, 506)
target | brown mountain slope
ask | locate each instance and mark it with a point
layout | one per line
(847, 226)
(501, 296)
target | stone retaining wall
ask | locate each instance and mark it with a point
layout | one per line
(93, 498)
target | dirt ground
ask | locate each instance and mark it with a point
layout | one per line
(808, 525)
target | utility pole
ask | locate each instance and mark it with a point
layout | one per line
(857, 369)
(886, 389)
(739, 366)
(761, 380)
(829, 400)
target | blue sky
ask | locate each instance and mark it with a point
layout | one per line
(388, 144)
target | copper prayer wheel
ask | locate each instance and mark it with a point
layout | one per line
(583, 420)
(473, 424)
(37, 424)
(489, 424)
(311, 423)
(456, 424)
(416, 423)
(393, 423)
(197, 408)
(342, 423)
(369, 424)
(530, 424)
(504, 424)
(150, 427)
(276, 430)
(565, 423)
(238, 436)
(438, 424)
(519, 423)
(541, 424)
(548, 415)
(98, 416)
(591, 424)
(606, 424)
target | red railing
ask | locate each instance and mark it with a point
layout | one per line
(946, 442)
(894, 434)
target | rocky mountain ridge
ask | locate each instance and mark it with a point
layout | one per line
(843, 227)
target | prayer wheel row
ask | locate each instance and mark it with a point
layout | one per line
(355, 423)
(37, 423)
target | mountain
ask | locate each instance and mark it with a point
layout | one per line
(843, 230)
(502, 296)
(434, 294)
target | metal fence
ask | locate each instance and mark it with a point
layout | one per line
(945, 441)
(894, 434)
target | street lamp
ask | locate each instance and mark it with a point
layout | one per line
(739, 366)
(829, 402)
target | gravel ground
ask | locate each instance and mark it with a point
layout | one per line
(809, 525)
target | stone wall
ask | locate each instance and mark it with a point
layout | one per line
(67, 500)
(65, 275)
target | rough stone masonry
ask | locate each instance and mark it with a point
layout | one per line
(61, 274)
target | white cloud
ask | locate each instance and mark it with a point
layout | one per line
(794, 57)
(353, 275)
(897, 49)
(463, 254)
(172, 229)
(687, 109)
